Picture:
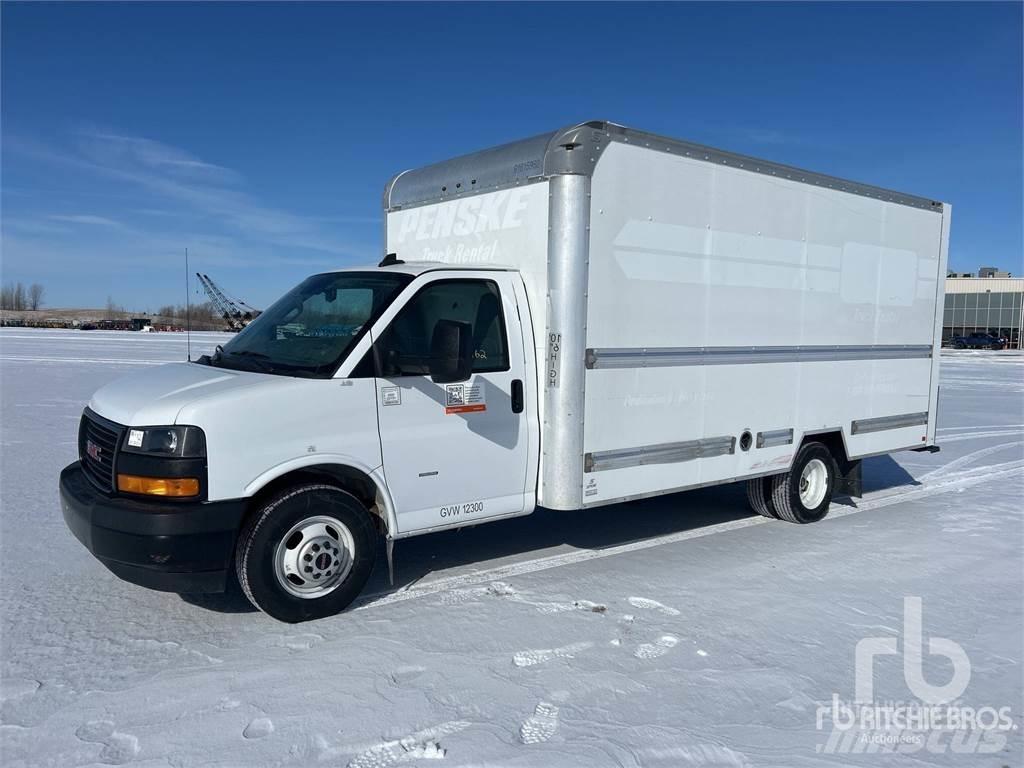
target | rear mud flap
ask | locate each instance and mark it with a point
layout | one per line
(851, 479)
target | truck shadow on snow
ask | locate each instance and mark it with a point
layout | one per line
(881, 473)
(547, 531)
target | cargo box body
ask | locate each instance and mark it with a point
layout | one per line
(695, 314)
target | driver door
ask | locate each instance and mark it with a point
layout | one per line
(454, 453)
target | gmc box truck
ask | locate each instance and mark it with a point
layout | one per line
(584, 317)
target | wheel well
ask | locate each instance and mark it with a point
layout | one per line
(349, 479)
(850, 479)
(834, 442)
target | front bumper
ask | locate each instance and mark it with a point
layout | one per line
(170, 546)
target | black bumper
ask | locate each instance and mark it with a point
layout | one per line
(174, 547)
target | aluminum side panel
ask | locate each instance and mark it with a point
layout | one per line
(685, 254)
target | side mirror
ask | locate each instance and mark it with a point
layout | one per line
(451, 352)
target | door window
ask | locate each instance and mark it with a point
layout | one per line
(404, 348)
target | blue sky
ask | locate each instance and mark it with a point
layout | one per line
(260, 136)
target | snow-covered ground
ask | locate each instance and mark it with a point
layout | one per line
(678, 631)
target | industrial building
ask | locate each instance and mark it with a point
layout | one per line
(989, 302)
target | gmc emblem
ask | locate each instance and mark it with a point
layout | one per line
(93, 450)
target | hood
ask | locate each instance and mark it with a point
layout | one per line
(156, 395)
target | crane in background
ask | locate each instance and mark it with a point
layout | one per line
(236, 312)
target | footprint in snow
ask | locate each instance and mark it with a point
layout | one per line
(258, 728)
(421, 745)
(13, 688)
(652, 605)
(575, 605)
(401, 675)
(118, 748)
(301, 642)
(468, 594)
(541, 725)
(540, 655)
(663, 645)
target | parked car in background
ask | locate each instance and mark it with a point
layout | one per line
(979, 340)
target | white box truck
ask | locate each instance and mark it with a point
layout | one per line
(580, 318)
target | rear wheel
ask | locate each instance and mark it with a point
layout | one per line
(759, 490)
(307, 553)
(803, 494)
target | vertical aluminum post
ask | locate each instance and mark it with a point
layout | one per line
(568, 259)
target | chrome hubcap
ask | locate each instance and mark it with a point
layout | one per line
(813, 483)
(314, 557)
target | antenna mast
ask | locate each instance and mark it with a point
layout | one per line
(188, 314)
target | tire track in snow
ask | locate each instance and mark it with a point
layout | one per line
(936, 485)
(969, 458)
(976, 427)
(94, 360)
(942, 440)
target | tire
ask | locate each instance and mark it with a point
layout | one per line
(759, 496)
(306, 553)
(803, 494)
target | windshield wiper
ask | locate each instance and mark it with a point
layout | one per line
(261, 362)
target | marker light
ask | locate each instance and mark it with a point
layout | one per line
(158, 486)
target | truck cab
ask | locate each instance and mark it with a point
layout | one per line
(400, 398)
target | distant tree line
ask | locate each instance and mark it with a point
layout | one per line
(16, 296)
(201, 313)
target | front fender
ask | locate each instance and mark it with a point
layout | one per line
(375, 474)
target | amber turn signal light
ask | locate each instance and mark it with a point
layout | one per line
(158, 486)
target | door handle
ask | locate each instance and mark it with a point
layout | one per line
(517, 396)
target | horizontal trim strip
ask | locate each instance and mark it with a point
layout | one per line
(669, 357)
(774, 437)
(663, 453)
(863, 426)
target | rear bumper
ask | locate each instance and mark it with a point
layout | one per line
(160, 545)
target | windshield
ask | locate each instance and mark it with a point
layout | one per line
(311, 328)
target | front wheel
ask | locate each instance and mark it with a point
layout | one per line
(803, 494)
(307, 553)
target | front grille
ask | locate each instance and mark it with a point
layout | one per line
(97, 444)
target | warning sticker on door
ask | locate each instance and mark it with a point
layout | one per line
(390, 396)
(464, 398)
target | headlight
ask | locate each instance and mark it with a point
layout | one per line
(186, 442)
